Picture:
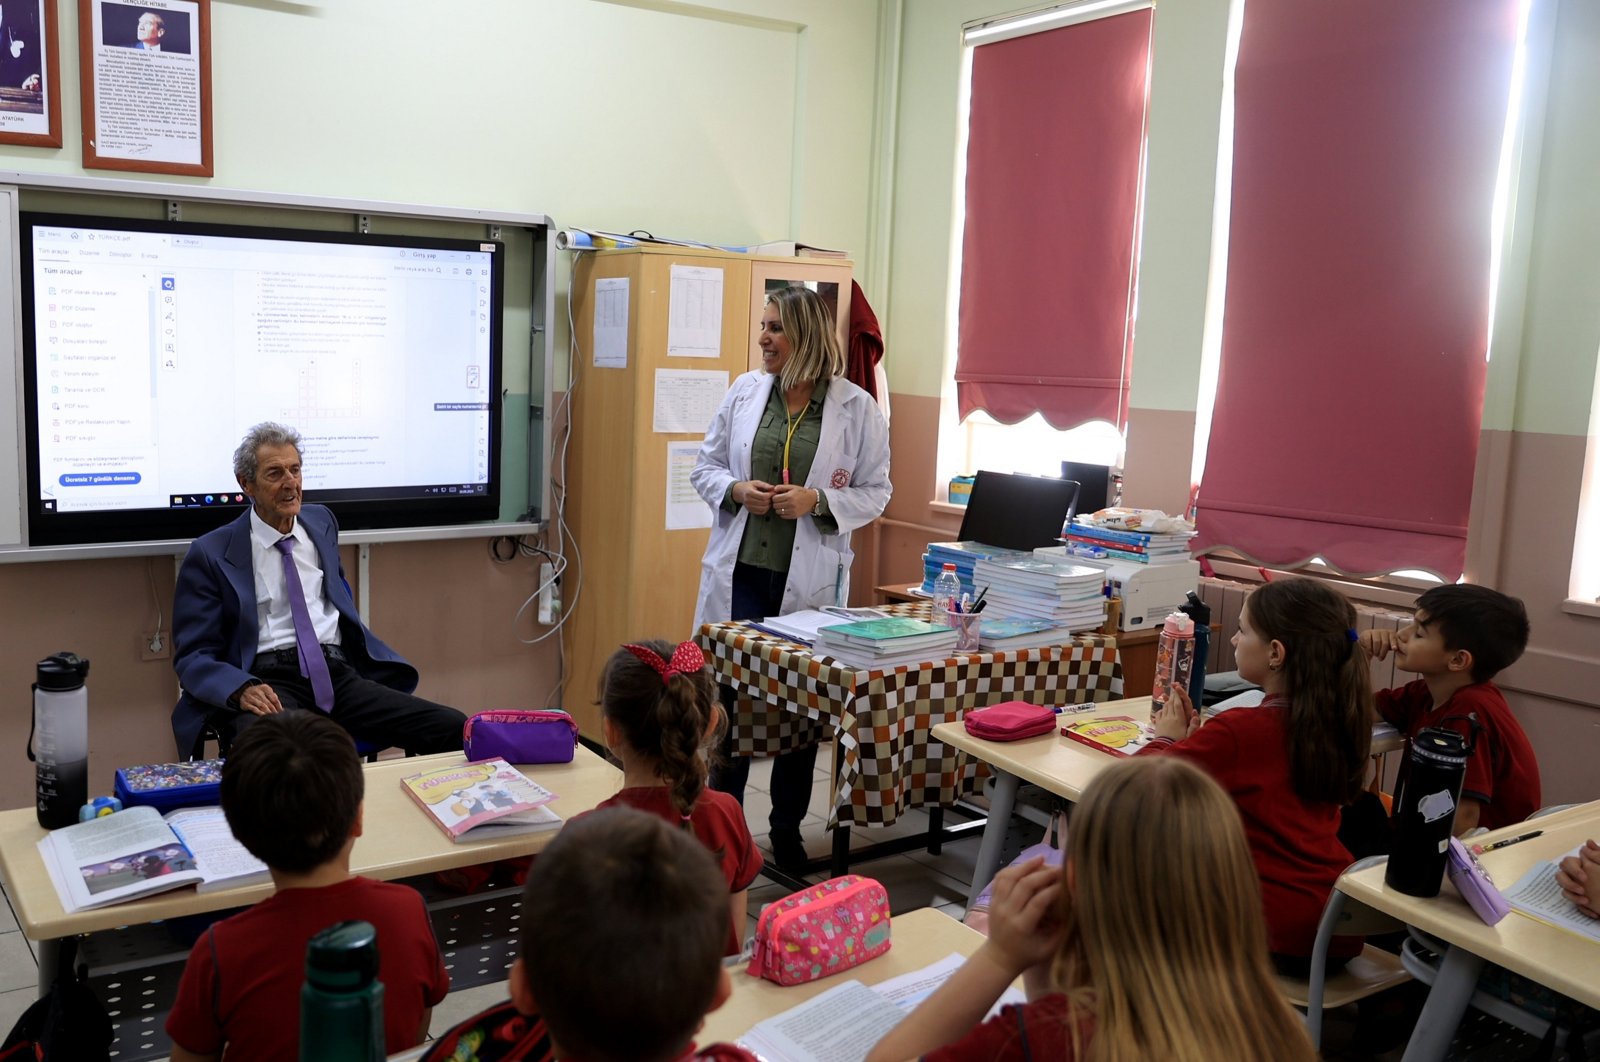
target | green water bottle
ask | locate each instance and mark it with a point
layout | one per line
(341, 1002)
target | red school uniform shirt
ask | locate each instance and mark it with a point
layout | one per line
(1294, 842)
(718, 821)
(1038, 1029)
(1502, 772)
(241, 985)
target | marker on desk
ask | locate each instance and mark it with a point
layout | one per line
(977, 606)
(1482, 848)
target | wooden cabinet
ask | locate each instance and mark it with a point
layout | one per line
(639, 578)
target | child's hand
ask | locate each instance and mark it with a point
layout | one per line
(1377, 643)
(1176, 719)
(1579, 878)
(1023, 928)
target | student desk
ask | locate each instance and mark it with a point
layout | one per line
(397, 842)
(1054, 763)
(886, 761)
(920, 938)
(1557, 958)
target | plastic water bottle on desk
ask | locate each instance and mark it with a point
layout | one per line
(1174, 658)
(946, 593)
(59, 743)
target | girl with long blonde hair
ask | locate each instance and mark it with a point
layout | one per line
(1148, 944)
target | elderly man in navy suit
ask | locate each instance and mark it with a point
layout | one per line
(263, 622)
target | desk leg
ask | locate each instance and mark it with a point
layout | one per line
(936, 829)
(994, 831)
(1447, 1002)
(841, 851)
(50, 955)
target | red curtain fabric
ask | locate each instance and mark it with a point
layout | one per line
(1350, 395)
(1055, 154)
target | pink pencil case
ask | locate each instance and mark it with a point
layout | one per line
(1010, 721)
(822, 930)
(519, 735)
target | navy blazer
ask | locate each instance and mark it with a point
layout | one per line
(214, 631)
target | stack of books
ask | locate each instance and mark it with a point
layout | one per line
(997, 634)
(873, 645)
(1138, 547)
(1068, 594)
(964, 555)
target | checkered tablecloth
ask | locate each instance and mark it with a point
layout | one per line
(789, 698)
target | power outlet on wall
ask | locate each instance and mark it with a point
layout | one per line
(155, 645)
(549, 598)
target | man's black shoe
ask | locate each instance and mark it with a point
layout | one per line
(787, 851)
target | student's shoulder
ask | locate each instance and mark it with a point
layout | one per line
(720, 805)
(1040, 1028)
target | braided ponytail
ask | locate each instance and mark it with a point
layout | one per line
(664, 714)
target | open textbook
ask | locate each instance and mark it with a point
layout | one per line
(139, 851)
(1537, 895)
(842, 1024)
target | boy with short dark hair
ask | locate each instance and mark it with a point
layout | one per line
(1461, 637)
(623, 922)
(292, 789)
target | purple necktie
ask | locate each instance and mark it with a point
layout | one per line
(312, 665)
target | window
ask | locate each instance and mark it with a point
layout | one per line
(1585, 584)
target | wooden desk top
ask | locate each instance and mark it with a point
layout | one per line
(398, 842)
(1558, 958)
(921, 938)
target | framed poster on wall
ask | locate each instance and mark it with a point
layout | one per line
(30, 74)
(145, 72)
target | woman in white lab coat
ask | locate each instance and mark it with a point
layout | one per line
(796, 458)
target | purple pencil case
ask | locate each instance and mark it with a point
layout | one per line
(1472, 881)
(516, 735)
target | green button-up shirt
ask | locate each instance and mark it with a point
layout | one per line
(769, 540)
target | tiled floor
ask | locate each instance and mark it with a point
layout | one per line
(914, 880)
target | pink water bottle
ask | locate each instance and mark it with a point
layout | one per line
(1174, 657)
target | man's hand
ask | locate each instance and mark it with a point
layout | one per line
(1377, 643)
(755, 495)
(1579, 878)
(792, 501)
(1176, 719)
(259, 699)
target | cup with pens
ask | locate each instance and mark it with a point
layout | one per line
(965, 617)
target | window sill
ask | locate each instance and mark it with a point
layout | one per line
(937, 506)
(1581, 608)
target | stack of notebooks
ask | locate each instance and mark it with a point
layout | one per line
(1068, 594)
(997, 634)
(873, 645)
(964, 555)
(1138, 547)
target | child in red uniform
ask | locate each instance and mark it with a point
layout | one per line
(1461, 638)
(1293, 761)
(292, 789)
(622, 928)
(659, 708)
(1148, 944)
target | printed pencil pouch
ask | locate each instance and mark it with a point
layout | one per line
(822, 930)
(516, 735)
(166, 786)
(1010, 721)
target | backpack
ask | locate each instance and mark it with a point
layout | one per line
(67, 1024)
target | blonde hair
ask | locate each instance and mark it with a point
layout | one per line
(808, 325)
(1166, 943)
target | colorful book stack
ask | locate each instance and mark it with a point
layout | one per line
(1139, 547)
(964, 555)
(997, 634)
(873, 645)
(1029, 586)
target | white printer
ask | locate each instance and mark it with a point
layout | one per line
(1149, 592)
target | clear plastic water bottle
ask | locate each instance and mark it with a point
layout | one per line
(946, 590)
(341, 1001)
(59, 742)
(1174, 658)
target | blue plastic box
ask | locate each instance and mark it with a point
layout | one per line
(171, 785)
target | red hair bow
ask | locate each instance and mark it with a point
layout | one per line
(686, 659)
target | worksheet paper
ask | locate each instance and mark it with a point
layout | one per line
(1537, 895)
(611, 323)
(687, 399)
(685, 508)
(694, 312)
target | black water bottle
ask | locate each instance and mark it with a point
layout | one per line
(1426, 811)
(341, 1002)
(1200, 612)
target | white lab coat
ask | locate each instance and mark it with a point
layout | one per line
(851, 467)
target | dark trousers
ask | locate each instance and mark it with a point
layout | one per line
(370, 711)
(758, 593)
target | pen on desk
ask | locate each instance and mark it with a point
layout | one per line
(1482, 848)
(977, 605)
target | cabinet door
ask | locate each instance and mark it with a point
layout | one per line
(829, 278)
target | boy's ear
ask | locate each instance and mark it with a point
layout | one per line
(361, 812)
(521, 994)
(1460, 660)
(724, 990)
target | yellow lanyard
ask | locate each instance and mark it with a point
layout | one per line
(793, 425)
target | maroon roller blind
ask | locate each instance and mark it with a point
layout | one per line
(1054, 171)
(1366, 139)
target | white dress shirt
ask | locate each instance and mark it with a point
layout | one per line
(274, 619)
